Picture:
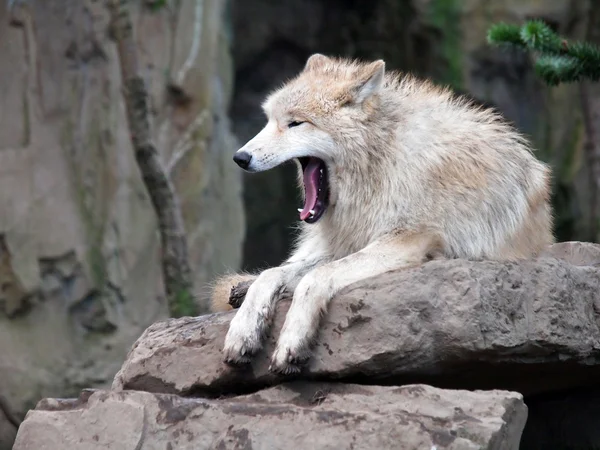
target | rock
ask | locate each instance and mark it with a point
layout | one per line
(294, 415)
(531, 326)
(80, 270)
(576, 253)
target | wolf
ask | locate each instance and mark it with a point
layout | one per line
(394, 171)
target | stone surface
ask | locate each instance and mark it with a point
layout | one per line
(532, 326)
(577, 253)
(296, 415)
(79, 253)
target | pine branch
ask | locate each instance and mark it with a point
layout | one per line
(589, 57)
(540, 37)
(558, 69)
(556, 60)
(175, 264)
(503, 34)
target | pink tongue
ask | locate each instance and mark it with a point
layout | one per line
(311, 183)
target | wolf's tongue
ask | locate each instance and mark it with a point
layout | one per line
(311, 186)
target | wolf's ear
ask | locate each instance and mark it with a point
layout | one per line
(315, 61)
(369, 82)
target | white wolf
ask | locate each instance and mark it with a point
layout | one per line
(394, 171)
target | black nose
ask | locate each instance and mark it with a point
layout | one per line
(242, 159)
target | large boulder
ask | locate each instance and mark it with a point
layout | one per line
(297, 415)
(532, 326)
(80, 271)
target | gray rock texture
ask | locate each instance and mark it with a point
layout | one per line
(532, 326)
(296, 415)
(79, 253)
(497, 340)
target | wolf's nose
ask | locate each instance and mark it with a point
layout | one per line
(242, 159)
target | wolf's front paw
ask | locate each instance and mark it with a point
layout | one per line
(290, 355)
(243, 340)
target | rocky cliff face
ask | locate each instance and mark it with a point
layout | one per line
(441, 39)
(513, 350)
(79, 270)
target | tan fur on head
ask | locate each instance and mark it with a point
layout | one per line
(315, 61)
(222, 289)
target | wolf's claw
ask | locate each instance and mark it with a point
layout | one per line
(242, 342)
(286, 361)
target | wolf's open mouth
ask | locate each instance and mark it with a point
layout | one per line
(316, 189)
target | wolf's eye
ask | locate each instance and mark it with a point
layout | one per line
(294, 123)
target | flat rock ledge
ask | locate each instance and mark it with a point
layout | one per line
(295, 415)
(476, 330)
(531, 326)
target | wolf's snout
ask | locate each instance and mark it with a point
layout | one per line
(242, 159)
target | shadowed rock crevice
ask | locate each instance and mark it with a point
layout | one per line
(14, 299)
(569, 417)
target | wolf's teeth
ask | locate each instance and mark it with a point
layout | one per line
(312, 212)
(299, 209)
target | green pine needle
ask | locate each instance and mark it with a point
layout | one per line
(558, 69)
(557, 61)
(503, 33)
(585, 52)
(539, 36)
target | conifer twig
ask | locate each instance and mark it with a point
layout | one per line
(556, 60)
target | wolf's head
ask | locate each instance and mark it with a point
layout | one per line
(311, 120)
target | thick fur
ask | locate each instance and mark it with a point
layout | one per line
(221, 290)
(413, 170)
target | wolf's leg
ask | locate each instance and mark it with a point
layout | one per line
(315, 290)
(248, 326)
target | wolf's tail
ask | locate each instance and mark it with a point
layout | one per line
(229, 291)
